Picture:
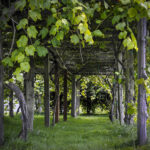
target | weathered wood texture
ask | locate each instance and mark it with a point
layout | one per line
(23, 106)
(65, 95)
(142, 107)
(46, 92)
(73, 107)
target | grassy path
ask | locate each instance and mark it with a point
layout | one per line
(82, 133)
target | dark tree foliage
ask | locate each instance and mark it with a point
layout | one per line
(95, 97)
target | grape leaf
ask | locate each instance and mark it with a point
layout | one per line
(43, 32)
(30, 50)
(122, 35)
(132, 12)
(74, 39)
(25, 66)
(50, 20)
(22, 24)
(42, 51)
(82, 28)
(60, 36)
(20, 57)
(35, 15)
(7, 62)
(98, 33)
(22, 42)
(32, 32)
(53, 30)
(120, 26)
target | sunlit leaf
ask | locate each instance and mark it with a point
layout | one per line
(74, 39)
(22, 24)
(32, 32)
(22, 42)
(30, 50)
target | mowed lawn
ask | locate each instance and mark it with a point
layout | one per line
(81, 133)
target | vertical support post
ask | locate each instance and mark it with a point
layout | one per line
(65, 95)
(115, 91)
(55, 117)
(29, 93)
(120, 93)
(78, 98)
(1, 95)
(57, 110)
(129, 86)
(73, 110)
(142, 107)
(46, 92)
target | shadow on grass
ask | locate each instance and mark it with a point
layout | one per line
(131, 143)
(96, 115)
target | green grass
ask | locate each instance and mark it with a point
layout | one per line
(82, 133)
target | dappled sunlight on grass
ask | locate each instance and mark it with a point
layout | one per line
(94, 132)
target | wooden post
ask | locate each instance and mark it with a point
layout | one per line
(78, 98)
(120, 93)
(142, 106)
(129, 86)
(65, 95)
(73, 110)
(46, 92)
(29, 93)
(56, 118)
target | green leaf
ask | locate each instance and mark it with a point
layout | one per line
(60, 36)
(116, 19)
(82, 28)
(122, 35)
(35, 15)
(58, 23)
(22, 24)
(22, 42)
(125, 2)
(53, 10)
(120, 26)
(106, 5)
(74, 39)
(50, 20)
(98, 21)
(53, 30)
(18, 74)
(104, 15)
(44, 32)
(7, 62)
(20, 57)
(42, 51)
(55, 42)
(132, 12)
(134, 41)
(98, 33)
(20, 4)
(32, 32)
(14, 55)
(88, 37)
(37, 43)
(25, 66)
(30, 50)
(128, 43)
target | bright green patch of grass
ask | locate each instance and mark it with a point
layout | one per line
(81, 133)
